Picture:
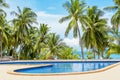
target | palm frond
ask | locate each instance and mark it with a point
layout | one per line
(75, 30)
(14, 13)
(19, 10)
(114, 49)
(5, 5)
(65, 18)
(71, 24)
(111, 8)
(67, 6)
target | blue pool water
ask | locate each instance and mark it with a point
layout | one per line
(63, 67)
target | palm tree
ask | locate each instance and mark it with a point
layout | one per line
(27, 49)
(75, 8)
(11, 47)
(41, 38)
(90, 55)
(113, 49)
(23, 21)
(54, 45)
(33, 34)
(95, 30)
(3, 35)
(115, 20)
(44, 54)
(2, 24)
(67, 53)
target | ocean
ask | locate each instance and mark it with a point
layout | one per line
(112, 56)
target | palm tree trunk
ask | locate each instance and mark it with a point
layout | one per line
(102, 55)
(19, 53)
(80, 43)
(18, 56)
(98, 54)
(94, 53)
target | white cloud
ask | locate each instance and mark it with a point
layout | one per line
(51, 8)
(44, 14)
(53, 21)
(74, 42)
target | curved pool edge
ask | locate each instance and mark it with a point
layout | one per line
(57, 74)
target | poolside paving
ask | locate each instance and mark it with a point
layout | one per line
(111, 74)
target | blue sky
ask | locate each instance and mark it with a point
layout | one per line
(53, 6)
(50, 11)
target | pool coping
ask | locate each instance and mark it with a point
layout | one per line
(85, 60)
(57, 74)
(63, 60)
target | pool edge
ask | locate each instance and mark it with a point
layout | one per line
(57, 74)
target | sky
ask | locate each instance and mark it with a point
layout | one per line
(50, 11)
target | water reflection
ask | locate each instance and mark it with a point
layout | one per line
(67, 67)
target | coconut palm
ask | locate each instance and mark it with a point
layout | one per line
(2, 22)
(44, 55)
(23, 21)
(90, 55)
(75, 8)
(3, 34)
(27, 49)
(95, 30)
(11, 47)
(41, 38)
(33, 34)
(54, 45)
(113, 49)
(67, 53)
(115, 20)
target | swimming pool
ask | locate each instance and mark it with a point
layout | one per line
(62, 67)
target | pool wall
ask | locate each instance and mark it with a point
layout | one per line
(53, 61)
